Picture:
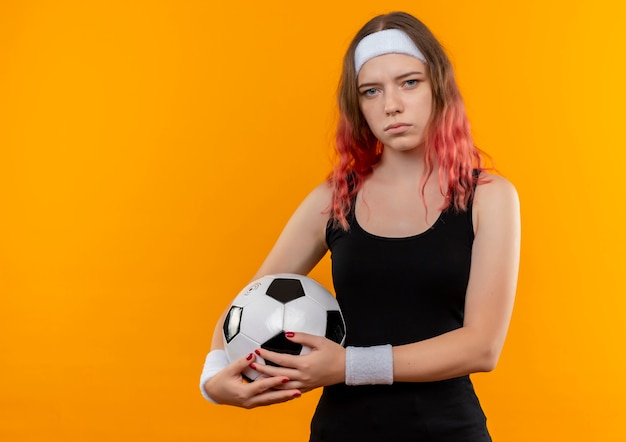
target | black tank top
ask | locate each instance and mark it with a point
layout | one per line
(396, 291)
(401, 290)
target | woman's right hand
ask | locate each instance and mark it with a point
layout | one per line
(228, 387)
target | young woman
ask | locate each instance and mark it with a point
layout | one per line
(425, 251)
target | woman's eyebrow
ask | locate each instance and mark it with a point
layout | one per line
(399, 77)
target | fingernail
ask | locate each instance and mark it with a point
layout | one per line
(257, 351)
(253, 366)
(290, 334)
(298, 394)
(284, 381)
(249, 356)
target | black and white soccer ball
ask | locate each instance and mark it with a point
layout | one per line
(264, 310)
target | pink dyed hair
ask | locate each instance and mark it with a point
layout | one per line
(448, 141)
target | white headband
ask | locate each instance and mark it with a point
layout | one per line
(388, 41)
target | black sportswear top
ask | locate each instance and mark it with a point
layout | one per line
(401, 290)
(396, 291)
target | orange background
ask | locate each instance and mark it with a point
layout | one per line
(151, 151)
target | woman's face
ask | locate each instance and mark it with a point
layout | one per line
(395, 98)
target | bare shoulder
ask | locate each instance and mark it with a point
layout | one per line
(321, 194)
(496, 200)
(313, 214)
(318, 201)
(495, 190)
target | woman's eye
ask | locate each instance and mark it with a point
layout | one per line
(369, 92)
(411, 83)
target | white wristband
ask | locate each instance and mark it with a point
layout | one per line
(369, 365)
(216, 360)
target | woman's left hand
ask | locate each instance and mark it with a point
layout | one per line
(324, 365)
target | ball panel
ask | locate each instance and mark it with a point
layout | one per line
(320, 294)
(305, 315)
(281, 344)
(266, 319)
(335, 327)
(285, 289)
(232, 322)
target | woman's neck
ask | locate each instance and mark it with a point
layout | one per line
(406, 166)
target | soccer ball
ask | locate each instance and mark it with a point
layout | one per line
(263, 311)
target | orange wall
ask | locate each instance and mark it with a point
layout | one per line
(150, 152)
